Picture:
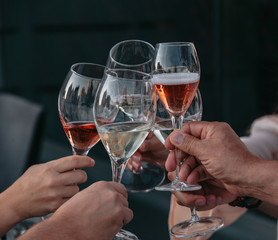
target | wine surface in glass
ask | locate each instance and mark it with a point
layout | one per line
(82, 135)
(162, 130)
(176, 90)
(121, 140)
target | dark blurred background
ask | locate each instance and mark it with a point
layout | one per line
(237, 44)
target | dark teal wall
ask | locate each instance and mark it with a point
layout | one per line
(235, 40)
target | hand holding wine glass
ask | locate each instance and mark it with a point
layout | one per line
(195, 226)
(175, 76)
(124, 111)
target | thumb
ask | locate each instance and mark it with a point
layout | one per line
(187, 143)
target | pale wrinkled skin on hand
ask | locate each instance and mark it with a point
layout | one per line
(45, 187)
(223, 156)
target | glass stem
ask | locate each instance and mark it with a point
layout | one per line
(177, 124)
(117, 170)
(194, 216)
(79, 152)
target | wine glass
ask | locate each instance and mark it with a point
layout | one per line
(195, 226)
(163, 124)
(131, 54)
(136, 55)
(175, 76)
(75, 105)
(124, 110)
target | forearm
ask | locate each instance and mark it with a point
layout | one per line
(8, 217)
(49, 229)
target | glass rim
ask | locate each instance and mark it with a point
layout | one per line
(87, 64)
(108, 71)
(176, 44)
(131, 40)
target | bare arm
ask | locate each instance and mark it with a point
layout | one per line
(226, 158)
(41, 190)
(96, 213)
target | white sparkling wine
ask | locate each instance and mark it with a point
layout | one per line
(121, 140)
(162, 129)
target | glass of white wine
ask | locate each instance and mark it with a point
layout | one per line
(135, 54)
(124, 110)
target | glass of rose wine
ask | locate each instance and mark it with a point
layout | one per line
(195, 226)
(175, 76)
(75, 105)
(121, 122)
(136, 55)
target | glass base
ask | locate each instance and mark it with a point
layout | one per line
(177, 185)
(125, 235)
(145, 180)
(203, 226)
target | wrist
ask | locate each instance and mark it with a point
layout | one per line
(240, 178)
(9, 216)
(63, 226)
(258, 181)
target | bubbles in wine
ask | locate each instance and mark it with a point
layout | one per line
(175, 78)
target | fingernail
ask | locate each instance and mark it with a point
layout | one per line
(199, 202)
(178, 138)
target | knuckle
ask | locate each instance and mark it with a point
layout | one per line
(33, 167)
(100, 185)
(114, 197)
(49, 183)
(119, 211)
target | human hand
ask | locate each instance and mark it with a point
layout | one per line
(151, 150)
(218, 148)
(45, 187)
(213, 191)
(98, 211)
